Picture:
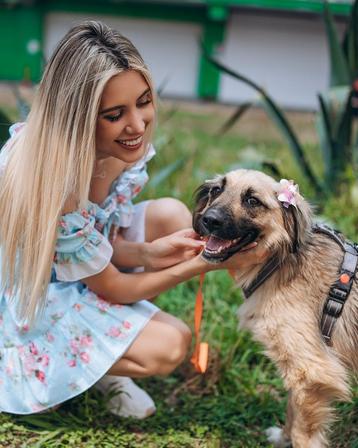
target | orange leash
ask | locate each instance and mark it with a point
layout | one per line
(201, 352)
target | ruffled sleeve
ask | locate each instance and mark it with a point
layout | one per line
(81, 250)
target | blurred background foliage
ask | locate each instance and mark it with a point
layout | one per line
(241, 394)
(336, 119)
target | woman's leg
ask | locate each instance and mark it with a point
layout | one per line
(165, 216)
(159, 348)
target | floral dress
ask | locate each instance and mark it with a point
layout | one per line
(79, 335)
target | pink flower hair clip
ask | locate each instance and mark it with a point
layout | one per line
(288, 192)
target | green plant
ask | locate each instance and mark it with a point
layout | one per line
(335, 117)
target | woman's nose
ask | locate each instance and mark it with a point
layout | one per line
(136, 123)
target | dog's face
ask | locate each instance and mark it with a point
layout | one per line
(242, 207)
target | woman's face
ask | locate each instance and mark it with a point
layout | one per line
(125, 112)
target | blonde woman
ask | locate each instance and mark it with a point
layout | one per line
(71, 307)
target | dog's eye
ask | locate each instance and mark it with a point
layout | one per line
(252, 202)
(215, 191)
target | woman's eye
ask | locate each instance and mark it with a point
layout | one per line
(252, 202)
(113, 118)
(144, 101)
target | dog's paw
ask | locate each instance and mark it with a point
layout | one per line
(276, 436)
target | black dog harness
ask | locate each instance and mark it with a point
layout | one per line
(339, 290)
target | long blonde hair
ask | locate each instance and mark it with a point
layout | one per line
(53, 157)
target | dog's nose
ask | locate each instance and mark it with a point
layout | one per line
(213, 219)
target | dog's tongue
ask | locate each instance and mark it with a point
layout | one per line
(215, 243)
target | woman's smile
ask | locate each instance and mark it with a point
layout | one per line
(131, 144)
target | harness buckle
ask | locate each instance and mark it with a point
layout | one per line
(334, 307)
(340, 295)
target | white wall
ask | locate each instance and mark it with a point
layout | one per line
(169, 49)
(286, 55)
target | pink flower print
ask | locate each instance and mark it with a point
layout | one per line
(29, 363)
(50, 337)
(40, 375)
(72, 362)
(62, 224)
(86, 341)
(117, 306)
(73, 386)
(9, 369)
(102, 305)
(121, 198)
(33, 349)
(114, 332)
(37, 407)
(74, 344)
(85, 357)
(45, 360)
(80, 233)
(77, 306)
(23, 329)
(127, 325)
(84, 213)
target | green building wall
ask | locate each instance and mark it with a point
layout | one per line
(22, 28)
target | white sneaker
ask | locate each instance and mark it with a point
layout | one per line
(129, 401)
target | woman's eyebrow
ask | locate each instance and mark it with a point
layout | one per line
(110, 109)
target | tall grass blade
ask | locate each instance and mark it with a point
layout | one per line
(344, 133)
(280, 120)
(350, 42)
(338, 64)
(240, 111)
(165, 172)
(326, 140)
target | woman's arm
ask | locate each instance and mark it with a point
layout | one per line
(158, 254)
(118, 287)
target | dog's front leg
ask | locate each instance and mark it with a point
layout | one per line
(281, 438)
(309, 415)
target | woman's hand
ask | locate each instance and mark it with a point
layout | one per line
(172, 249)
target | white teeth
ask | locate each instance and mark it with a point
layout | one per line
(131, 142)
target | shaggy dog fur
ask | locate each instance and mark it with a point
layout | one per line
(284, 313)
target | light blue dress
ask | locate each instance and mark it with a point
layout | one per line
(80, 335)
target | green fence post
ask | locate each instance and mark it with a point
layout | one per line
(213, 37)
(21, 43)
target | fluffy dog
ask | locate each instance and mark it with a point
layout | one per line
(284, 313)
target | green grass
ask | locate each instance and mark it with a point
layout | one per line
(241, 394)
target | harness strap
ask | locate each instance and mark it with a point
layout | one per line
(339, 291)
(266, 272)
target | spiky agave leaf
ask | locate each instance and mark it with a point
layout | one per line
(279, 119)
(338, 64)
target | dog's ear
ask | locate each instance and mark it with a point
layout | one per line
(297, 220)
(201, 198)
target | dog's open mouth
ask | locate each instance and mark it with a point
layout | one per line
(217, 249)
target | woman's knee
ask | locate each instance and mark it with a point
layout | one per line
(165, 216)
(172, 350)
